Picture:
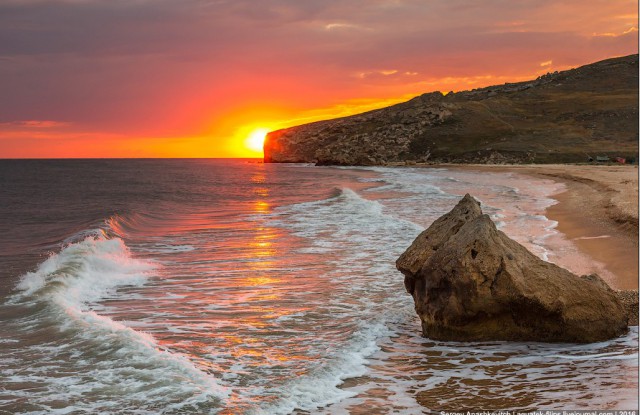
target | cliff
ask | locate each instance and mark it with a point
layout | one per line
(565, 116)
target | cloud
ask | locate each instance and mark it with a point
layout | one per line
(165, 68)
(610, 34)
(334, 26)
(34, 124)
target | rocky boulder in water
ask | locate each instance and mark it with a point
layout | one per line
(470, 281)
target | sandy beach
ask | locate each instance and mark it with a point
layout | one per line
(598, 212)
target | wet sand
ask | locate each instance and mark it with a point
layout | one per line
(598, 212)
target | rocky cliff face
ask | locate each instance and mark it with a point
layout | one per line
(471, 282)
(564, 116)
(370, 138)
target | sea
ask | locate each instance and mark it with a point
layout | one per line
(229, 286)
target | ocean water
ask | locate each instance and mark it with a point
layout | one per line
(236, 287)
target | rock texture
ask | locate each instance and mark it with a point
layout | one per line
(629, 300)
(471, 282)
(564, 116)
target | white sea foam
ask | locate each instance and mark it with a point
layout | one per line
(85, 271)
(368, 296)
(296, 309)
(71, 282)
(320, 388)
(516, 203)
(350, 223)
(591, 237)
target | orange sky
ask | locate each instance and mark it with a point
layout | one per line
(117, 78)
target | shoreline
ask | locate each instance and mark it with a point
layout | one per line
(598, 212)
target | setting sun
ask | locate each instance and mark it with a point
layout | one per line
(255, 140)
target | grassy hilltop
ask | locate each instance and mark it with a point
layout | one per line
(565, 116)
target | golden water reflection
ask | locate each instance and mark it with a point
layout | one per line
(236, 296)
(261, 206)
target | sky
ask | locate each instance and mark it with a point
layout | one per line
(196, 78)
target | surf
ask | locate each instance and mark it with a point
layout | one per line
(64, 292)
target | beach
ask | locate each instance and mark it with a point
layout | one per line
(598, 211)
(232, 286)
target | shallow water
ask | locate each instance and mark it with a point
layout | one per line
(230, 286)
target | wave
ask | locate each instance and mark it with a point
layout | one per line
(350, 203)
(368, 297)
(409, 182)
(352, 225)
(83, 273)
(320, 388)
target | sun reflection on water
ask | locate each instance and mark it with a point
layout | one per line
(235, 305)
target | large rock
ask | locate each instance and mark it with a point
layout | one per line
(470, 281)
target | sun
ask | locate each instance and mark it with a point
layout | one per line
(255, 139)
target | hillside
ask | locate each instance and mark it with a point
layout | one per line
(565, 116)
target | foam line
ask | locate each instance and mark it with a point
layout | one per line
(83, 273)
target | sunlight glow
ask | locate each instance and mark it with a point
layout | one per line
(255, 140)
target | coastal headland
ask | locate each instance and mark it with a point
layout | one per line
(573, 116)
